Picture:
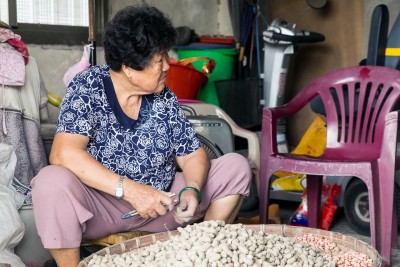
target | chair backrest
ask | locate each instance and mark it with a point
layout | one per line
(356, 101)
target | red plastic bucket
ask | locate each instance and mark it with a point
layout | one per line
(185, 81)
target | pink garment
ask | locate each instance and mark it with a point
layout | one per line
(66, 210)
(79, 66)
(8, 36)
(20, 47)
(12, 66)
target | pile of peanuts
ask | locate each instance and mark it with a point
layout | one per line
(343, 258)
(212, 243)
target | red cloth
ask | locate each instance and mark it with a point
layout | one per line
(20, 47)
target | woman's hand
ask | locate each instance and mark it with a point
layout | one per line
(195, 168)
(148, 201)
(187, 207)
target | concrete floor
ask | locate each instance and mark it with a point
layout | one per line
(339, 224)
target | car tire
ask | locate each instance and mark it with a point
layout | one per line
(356, 206)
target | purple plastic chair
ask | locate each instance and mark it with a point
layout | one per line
(361, 142)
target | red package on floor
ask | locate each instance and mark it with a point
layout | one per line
(300, 216)
(329, 197)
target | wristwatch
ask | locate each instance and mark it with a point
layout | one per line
(119, 191)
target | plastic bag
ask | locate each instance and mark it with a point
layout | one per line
(291, 182)
(79, 66)
(312, 143)
(329, 197)
(12, 228)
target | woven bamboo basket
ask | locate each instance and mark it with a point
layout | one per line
(284, 230)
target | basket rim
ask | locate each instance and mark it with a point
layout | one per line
(282, 229)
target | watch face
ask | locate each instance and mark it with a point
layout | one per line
(119, 193)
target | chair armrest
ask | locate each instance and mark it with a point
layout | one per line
(271, 115)
(252, 138)
(301, 99)
(285, 110)
(253, 145)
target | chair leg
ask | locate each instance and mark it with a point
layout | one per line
(314, 187)
(394, 229)
(374, 215)
(263, 192)
(384, 217)
(395, 243)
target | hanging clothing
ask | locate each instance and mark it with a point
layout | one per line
(81, 65)
(14, 40)
(23, 107)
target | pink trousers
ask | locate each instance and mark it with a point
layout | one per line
(66, 210)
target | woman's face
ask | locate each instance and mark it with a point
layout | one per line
(152, 78)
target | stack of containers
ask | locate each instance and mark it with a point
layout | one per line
(224, 57)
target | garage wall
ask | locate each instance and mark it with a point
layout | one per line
(344, 23)
(204, 16)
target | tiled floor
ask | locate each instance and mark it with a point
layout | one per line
(339, 224)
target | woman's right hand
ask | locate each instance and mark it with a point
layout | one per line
(69, 150)
(148, 201)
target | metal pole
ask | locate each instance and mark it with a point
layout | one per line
(92, 36)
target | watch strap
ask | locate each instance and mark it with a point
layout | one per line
(119, 191)
(121, 181)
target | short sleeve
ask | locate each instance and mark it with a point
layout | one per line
(185, 136)
(76, 113)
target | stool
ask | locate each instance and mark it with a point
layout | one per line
(113, 239)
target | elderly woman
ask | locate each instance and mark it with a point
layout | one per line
(119, 130)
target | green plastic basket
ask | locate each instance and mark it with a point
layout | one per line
(224, 57)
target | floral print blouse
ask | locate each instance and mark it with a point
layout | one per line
(142, 149)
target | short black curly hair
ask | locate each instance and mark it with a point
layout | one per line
(135, 35)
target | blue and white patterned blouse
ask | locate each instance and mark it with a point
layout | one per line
(142, 149)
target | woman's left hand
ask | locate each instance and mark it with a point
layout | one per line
(187, 207)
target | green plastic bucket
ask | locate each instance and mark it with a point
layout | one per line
(224, 57)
